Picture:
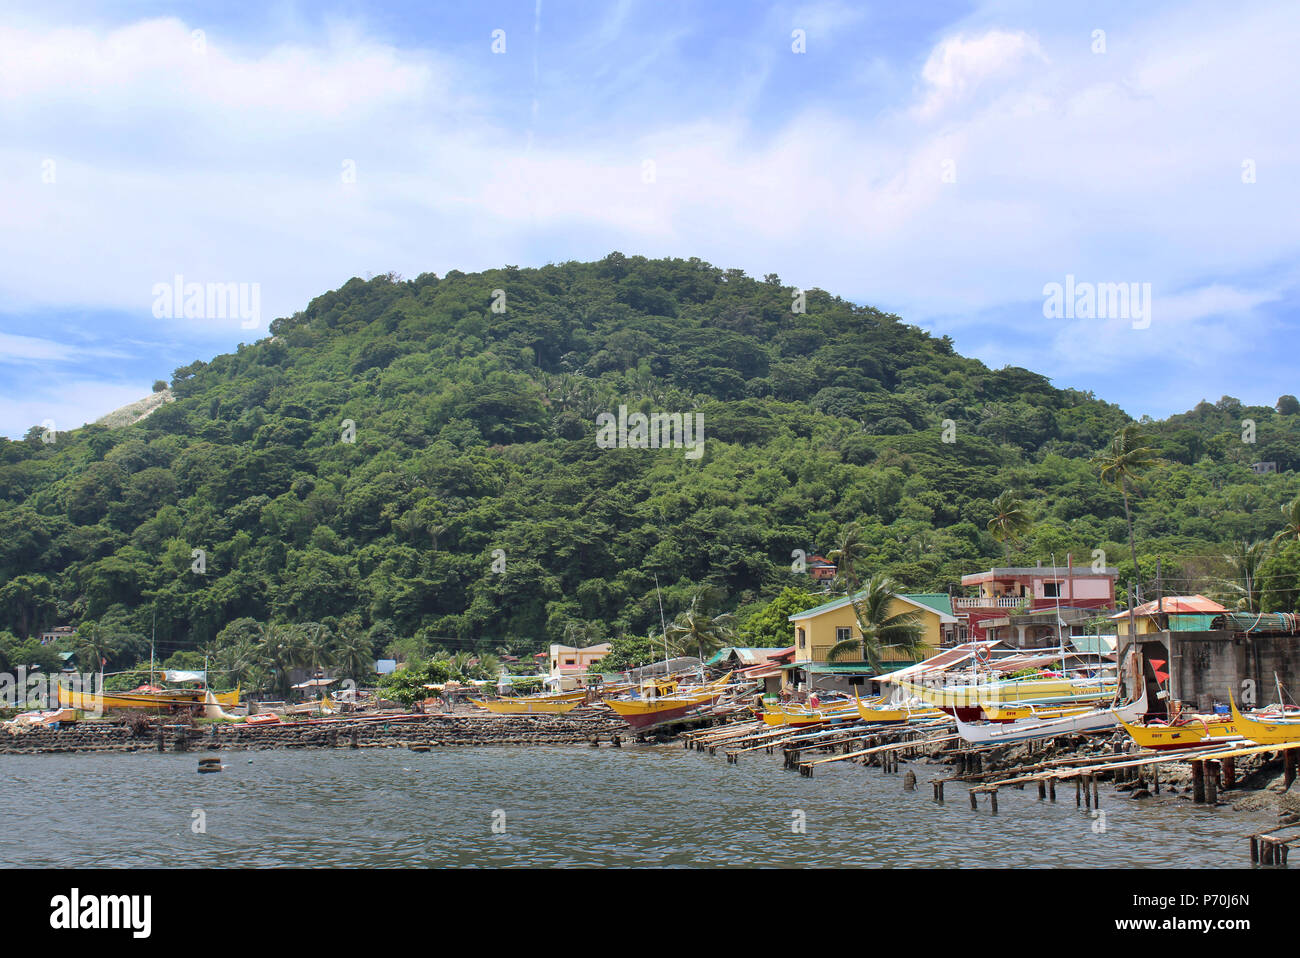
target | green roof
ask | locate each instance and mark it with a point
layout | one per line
(859, 668)
(939, 601)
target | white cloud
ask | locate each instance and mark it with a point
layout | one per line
(960, 64)
(225, 167)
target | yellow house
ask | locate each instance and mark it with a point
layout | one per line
(819, 628)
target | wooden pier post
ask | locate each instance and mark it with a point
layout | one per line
(1051, 789)
(1211, 783)
(1288, 766)
(1198, 782)
(973, 803)
(1042, 790)
(1155, 777)
(1087, 791)
(993, 801)
(1229, 772)
(1078, 792)
(1096, 795)
(1254, 849)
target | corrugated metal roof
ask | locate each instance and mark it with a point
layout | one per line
(1175, 604)
(944, 616)
(746, 656)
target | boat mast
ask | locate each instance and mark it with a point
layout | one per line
(153, 639)
(1059, 638)
(663, 625)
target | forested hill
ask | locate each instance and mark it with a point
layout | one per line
(470, 430)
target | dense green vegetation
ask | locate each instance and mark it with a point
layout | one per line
(407, 468)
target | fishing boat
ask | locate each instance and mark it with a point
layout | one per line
(654, 708)
(1036, 690)
(528, 705)
(871, 712)
(1025, 729)
(1012, 713)
(147, 697)
(1188, 732)
(777, 716)
(1263, 732)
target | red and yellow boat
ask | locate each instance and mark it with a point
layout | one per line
(663, 701)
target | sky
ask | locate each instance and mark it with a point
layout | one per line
(948, 163)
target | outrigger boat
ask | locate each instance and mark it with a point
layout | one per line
(1022, 730)
(1043, 690)
(1188, 732)
(1280, 732)
(778, 716)
(528, 705)
(663, 700)
(148, 697)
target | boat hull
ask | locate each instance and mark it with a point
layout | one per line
(1265, 733)
(506, 707)
(1024, 730)
(107, 701)
(1167, 737)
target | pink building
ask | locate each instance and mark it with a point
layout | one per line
(1001, 592)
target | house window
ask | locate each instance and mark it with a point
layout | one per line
(1052, 590)
(843, 634)
(568, 662)
(801, 638)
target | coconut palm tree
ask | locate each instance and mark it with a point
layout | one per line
(694, 627)
(280, 650)
(355, 655)
(1011, 519)
(1290, 522)
(94, 647)
(1244, 586)
(878, 630)
(1122, 466)
(846, 555)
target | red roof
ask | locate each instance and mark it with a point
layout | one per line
(1176, 605)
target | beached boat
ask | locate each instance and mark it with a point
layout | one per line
(869, 712)
(527, 705)
(1013, 713)
(148, 697)
(778, 716)
(1264, 732)
(654, 708)
(1044, 690)
(1025, 729)
(1189, 732)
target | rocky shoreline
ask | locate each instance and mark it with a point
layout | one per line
(402, 731)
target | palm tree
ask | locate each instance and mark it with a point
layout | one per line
(847, 554)
(94, 646)
(1290, 522)
(877, 629)
(1010, 519)
(1122, 466)
(1244, 585)
(280, 650)
(695, 627)
(318, 647)
(354, 655)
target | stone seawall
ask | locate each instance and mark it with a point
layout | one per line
(402, 731)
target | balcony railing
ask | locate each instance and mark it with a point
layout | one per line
(987, 602)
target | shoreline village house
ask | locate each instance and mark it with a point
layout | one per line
(1006, 595)
(1197, 652)
(817, 629)
(569, 666)
(821, 569)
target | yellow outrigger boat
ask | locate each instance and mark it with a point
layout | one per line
(1189, 733)
(1026, 691)
(1264, 733)
(527, 705)
(664, 700)
(162, 700)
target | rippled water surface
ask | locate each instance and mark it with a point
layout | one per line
(653, 805)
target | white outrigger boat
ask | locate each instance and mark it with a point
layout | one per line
(1022, 730)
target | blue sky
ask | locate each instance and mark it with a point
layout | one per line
(945, 162)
